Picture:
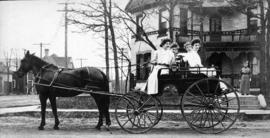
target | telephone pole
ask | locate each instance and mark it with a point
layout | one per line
(66, 31)
(41, 45)
(81, 59)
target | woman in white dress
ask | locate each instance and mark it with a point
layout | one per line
(162, 58)
(192, 56)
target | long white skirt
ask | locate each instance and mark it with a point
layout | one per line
(152, 82)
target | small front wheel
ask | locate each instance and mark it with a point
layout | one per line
(137, 112)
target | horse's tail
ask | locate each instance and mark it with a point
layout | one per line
(106, 81)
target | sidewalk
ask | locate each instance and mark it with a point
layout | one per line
(36, 108)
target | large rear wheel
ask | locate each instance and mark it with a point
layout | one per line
(210, 106)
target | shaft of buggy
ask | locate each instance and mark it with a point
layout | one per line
(81, 90)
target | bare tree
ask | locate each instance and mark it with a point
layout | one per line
(129, 21)
(97, 16)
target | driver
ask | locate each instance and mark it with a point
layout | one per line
(162, 58)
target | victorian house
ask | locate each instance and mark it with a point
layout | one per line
(229, 37)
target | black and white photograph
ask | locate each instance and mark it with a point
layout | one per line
(134, 68)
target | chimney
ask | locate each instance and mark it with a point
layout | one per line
(46, 52)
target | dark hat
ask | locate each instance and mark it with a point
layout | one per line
(195, 40)
(174, 45)
(164, 42)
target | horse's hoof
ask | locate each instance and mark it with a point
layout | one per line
(40, 128)
(98, 127)
(56, 128)
(107, 127)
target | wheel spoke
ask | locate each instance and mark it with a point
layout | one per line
(197, 118)
(199, 89)
(147, 109)
(144, 103)
(193, 101)
(216, 88)
(224, 114)
(126, 122)
(193, 95)
(150, 119)
(227, 101)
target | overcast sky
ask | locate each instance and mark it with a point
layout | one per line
(24, 23)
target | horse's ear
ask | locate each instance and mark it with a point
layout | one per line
(27, 53)
(33, 54)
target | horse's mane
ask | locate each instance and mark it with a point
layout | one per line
(38, 61)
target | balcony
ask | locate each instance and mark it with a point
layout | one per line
(241, 35)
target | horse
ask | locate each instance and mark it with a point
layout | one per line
(51, 75)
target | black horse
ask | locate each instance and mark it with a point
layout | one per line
(87, 77)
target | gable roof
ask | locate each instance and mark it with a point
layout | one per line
(139, 5)
(59, 61)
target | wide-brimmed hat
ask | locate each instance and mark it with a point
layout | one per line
(195, 40)
(164, 41)
(187, 44)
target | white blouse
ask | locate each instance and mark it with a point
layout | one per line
(162, 56)
(193, 59)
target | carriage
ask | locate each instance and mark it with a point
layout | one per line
(207, 103)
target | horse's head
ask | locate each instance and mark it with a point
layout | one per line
(26, 65)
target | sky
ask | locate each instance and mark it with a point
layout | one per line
(26, 23)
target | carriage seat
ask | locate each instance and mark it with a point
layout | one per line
(210, 72)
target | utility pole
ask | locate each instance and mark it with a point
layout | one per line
(66, 31)
(41, 45)
(81, 59)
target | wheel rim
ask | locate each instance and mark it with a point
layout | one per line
(141, 112)
(209, 108)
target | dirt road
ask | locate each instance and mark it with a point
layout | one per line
(21, 126)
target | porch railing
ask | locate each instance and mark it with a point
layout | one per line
(241, 35)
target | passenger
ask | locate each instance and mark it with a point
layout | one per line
(194, 59)
(192, 56)
(175, 49)
(162, 58)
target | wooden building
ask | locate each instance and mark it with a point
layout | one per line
(229, 36)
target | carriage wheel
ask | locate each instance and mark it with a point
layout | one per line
(210, 106)
(137, 112)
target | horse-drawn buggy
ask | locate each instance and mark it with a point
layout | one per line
(207, 103)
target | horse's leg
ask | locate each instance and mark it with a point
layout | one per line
(106, 110)
(100, 117)
(43, 99)
(54, 110)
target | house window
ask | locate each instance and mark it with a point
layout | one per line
(139, 30)
(215, 24)
(215, 28)
(252, 23)
(162, 22)
(143, 69)
(183, 21)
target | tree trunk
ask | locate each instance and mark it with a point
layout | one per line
(268, 47)
(262, 51)
(106, 41)
(171, 14)
(114, 47)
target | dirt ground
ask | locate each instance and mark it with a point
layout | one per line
(18, 100)
(22, 126)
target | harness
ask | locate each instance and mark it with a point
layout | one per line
(55, 76)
